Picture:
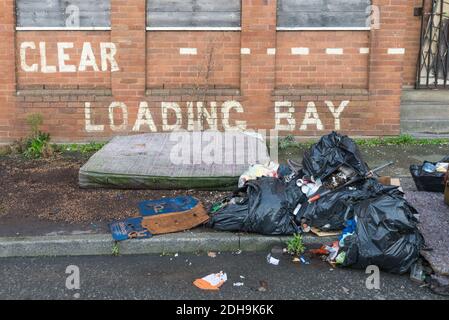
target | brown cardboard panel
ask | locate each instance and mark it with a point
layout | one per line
(176, 222)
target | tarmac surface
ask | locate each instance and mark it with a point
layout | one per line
(434, 226)
(171, 277)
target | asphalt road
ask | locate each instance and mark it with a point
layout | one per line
(169, 277)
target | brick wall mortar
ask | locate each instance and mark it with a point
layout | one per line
(247, 70)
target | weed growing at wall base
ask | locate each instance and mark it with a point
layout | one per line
(88, 148)
(37, 145)
(401, 140)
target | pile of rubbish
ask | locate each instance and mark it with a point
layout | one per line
(430, 176)
(334, 190)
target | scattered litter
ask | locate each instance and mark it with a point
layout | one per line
(211, 282)
(320, 251)
(263, 286)
(345, 290)
(129, 229)
(304, 260)
(272, 260)
(296, 260)
(308, 187)
(340, 259)
(305, 227)
(333, 251)
(259, 170)
(417, 273)
(212, 254)
(238, 284)
(238, 252)
(442, 167)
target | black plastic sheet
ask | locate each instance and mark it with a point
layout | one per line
(330, 153)
(267, 210)
(386, 235)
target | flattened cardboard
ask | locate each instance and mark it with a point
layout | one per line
(172, 215)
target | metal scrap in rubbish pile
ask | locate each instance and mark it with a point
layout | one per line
(346, 195)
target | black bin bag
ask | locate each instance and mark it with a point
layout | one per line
(386, 235)
(331, 211)
(330, 153)
(268, 209)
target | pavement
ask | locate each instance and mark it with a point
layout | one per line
(32, 237)
(171, 277)
(36, 253)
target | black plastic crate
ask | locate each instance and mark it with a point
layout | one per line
(424, 181)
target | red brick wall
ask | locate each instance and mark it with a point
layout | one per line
(7, 67)
(411, 45)
(318, 69)
(255, 81)
(88, 78)
(217, 61)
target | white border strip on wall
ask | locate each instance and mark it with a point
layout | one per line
(193, 28)
(63, 29)
(188, 51)
(396, 51)
(323, 28)
(300, 51)
(364, 50)
(334, 51)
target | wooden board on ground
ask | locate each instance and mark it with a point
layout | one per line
(321, 233)
(182, 160)
(176, 222)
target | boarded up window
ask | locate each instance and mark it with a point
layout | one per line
(323, 13)
(193, 14)
(63, 14)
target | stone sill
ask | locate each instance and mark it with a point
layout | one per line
(425, 95)
(193, 92)
(64, 92)
(321, 92)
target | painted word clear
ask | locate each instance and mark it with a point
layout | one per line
(100, 58)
